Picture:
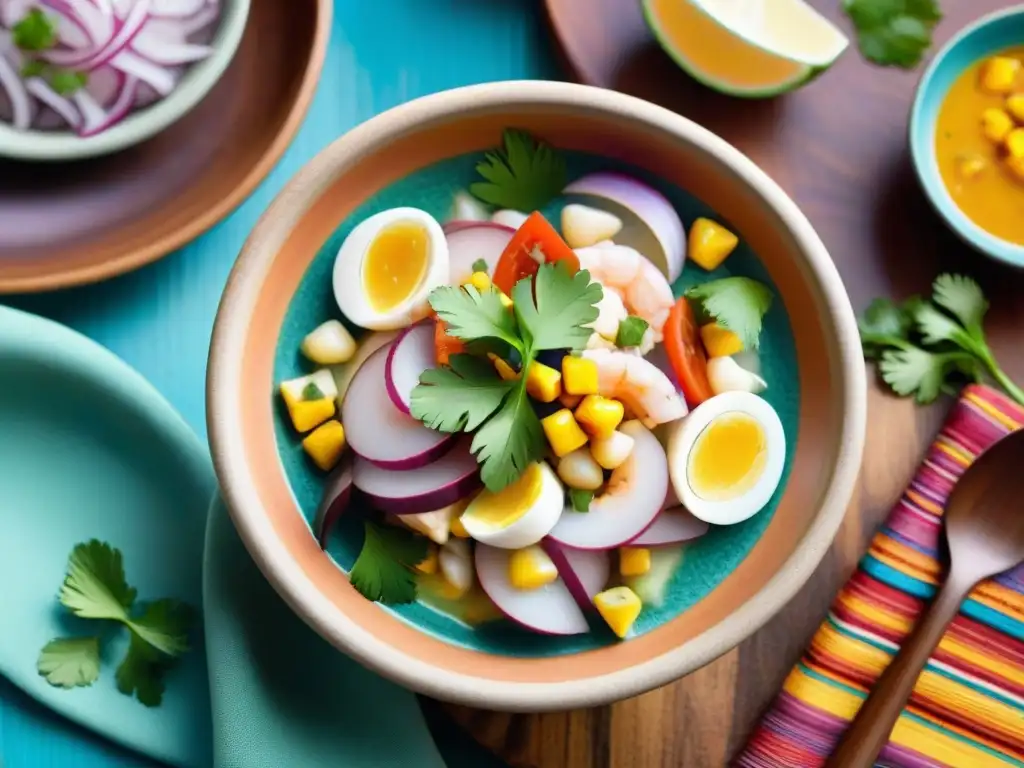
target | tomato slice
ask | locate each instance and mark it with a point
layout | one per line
(444, 345)
(686, 353)
(518, 260)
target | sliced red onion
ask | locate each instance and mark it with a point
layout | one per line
(671, 526)
(469, 241)
(13, 11)
(122, 39)
(72, 31)
(118, 110)
(21, 104)
(334, 501)
(177, 9)
(410, 355)
(154, 75)
(105, 85)
(59, 104)
(585, 572)
(151, 46)
(122, 7)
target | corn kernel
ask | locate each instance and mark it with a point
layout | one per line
(970, 166)
(480, 281)
(600, 416)
(531, 568)
(543, 382)
(634, 561)
(579, 375)
(506, 371)
(325, 444)
(1016, 166)
(506, 302)
(996, 124)
(710, 243)
(307, 414)
(719, 341)
(619, 607)
(1014, 142)
(1015, 106)
(429, 564)
(458, 530)
(999, 74)
(569, 401)
(563, 433)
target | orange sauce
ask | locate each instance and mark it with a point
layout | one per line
(992, 197)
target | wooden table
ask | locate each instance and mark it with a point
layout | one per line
(838, 147)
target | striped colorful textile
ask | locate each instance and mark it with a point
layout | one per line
(967, 710)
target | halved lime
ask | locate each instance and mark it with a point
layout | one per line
(749, 48)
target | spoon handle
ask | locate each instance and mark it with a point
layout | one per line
(869, 732)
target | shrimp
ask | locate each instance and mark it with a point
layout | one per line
(638, 384)
(642, 287)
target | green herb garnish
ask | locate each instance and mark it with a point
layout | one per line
(35, 32)
(65, 82)
(33, 68)
(736, 303)
(893, 33)
(383, 571)
(479, 265)
(525, 175)
(95, 588)
(631, 331)
(312, 392)
(550, 311)
(580, 500)
(924, 348)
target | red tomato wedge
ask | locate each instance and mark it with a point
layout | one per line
(686, 353)
(535, 237)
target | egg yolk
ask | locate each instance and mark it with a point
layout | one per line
(728, 457)
(501, 509)
(395, 264)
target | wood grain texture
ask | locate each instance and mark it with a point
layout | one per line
(839, 148)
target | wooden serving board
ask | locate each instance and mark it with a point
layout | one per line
(839, 148)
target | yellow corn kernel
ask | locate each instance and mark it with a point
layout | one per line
(600, 416)
(458, 530)
(563, 433)
(1016, 166)
(569, 401)
(619, 607)
(506, 302)
(506, 371)
(480, 281)
(531, 568)
(719, 341)
(1014, 142)
(999, 75)
(634, 561)
(1015, 106)
(325, 444)
(710, 243)
(429, 564)
(996, 124)
(543, 382)
(307, 414)
(579, 375)
(970, 166)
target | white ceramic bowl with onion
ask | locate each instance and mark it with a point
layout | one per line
(107, 74)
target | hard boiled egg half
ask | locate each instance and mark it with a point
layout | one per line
(387, 266)
(520, 514)
(726, 457)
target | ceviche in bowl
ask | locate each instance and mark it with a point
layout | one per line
(521, 424)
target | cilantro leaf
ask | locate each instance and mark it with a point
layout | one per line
(66, 82)
(141, 672)
(580, 500)
(553, 307)
(95, 585)
(472, 314)
(383, 571)
(893, 32)
(736, 303)
(509, 441)
(915, 371)
(164, 625)
(35, 32)
(70, 662)
(886, 324)
(459, 398)
(312, 392)
(479, 265)
(936, 327)
(631, 331)
(524, 175)
(33, 68)
(963, 297)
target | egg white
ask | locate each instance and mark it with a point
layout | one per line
(532, 526)
(683, 435)
(349, 289)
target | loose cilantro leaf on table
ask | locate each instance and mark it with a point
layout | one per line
(736, 303)
(70, 662)
(35, 32)
(96, 588)
(893, 32)
(524, 175)
(383, 570)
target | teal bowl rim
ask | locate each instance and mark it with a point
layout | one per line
(197, 82)
(926, 166)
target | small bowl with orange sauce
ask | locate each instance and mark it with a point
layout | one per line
(967, 134)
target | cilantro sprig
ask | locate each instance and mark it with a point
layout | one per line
(736, 303)
(550, 311)
(96, 588)
(927, 347)
(525, 175)
(383, 570)
(893, 33)
(34, 33)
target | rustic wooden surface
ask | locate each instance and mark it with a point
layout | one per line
(838, 147)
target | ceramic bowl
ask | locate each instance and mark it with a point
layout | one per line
(141, 125)
(730, 583)
(985, 37)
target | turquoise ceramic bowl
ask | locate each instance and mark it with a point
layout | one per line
(988, 35)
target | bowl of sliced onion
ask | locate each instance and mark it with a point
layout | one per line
(81, 78)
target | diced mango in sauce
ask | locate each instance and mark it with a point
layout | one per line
(1014, 143)
(1015, 106)
(1016, 166)
(619, 607)
(996, 124)
(325, 444)
(1000, 73)
(970, 166)
(719, 341)
(710, 243)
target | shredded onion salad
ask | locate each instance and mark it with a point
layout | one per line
(84, 65)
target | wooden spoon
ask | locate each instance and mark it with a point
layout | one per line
(985, 532)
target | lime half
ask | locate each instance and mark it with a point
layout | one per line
(750, 48)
